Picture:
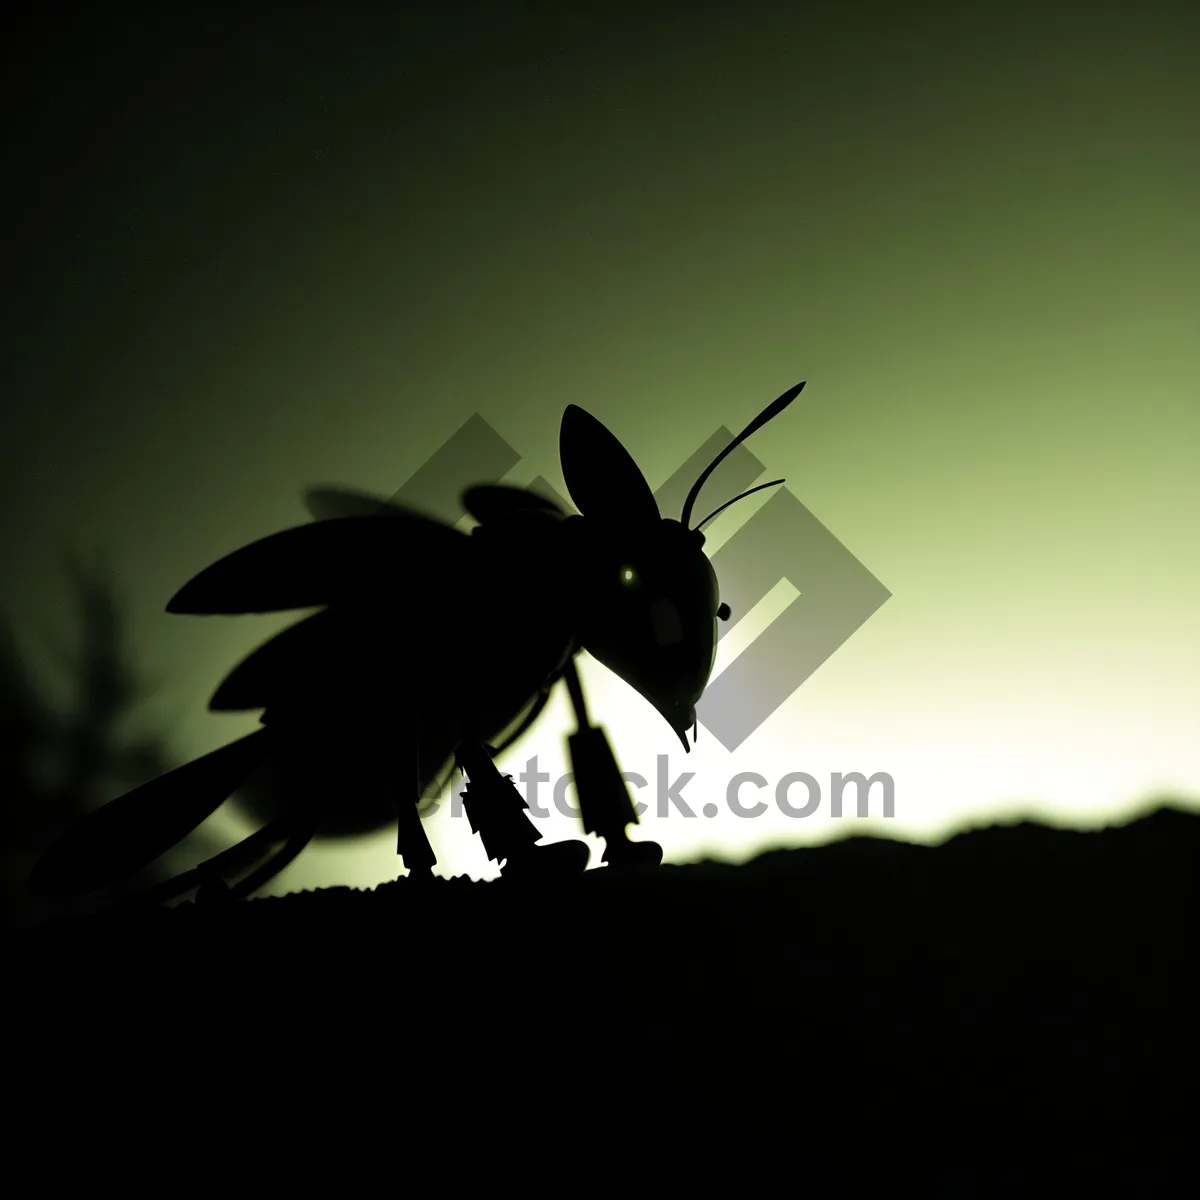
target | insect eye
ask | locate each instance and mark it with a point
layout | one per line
(723, 612)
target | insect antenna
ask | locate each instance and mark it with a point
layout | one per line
(769, 413)
(748, 492)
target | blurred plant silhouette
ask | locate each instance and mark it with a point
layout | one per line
(58, 763)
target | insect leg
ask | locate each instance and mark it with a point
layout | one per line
(539, 705)
(497, 813)
(209, 874)
(604, 803)
(305, 829)
(256, 859)
(401, 775)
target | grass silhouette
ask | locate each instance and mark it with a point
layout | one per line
(56, 763)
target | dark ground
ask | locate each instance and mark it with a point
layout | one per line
(1014, 1012)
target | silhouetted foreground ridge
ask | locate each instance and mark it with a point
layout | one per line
(1014, 1003)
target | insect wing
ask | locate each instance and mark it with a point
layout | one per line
(132, 831)
(325, 563)
(330, 503)
(277, 667)
(491, 502)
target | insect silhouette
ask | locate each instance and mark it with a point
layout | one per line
(428, 645)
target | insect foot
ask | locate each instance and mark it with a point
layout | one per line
(605, 803)
(621, 853)
(553, 861)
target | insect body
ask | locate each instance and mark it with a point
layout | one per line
(429, 647)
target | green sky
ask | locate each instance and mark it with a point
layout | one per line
(246, 259)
